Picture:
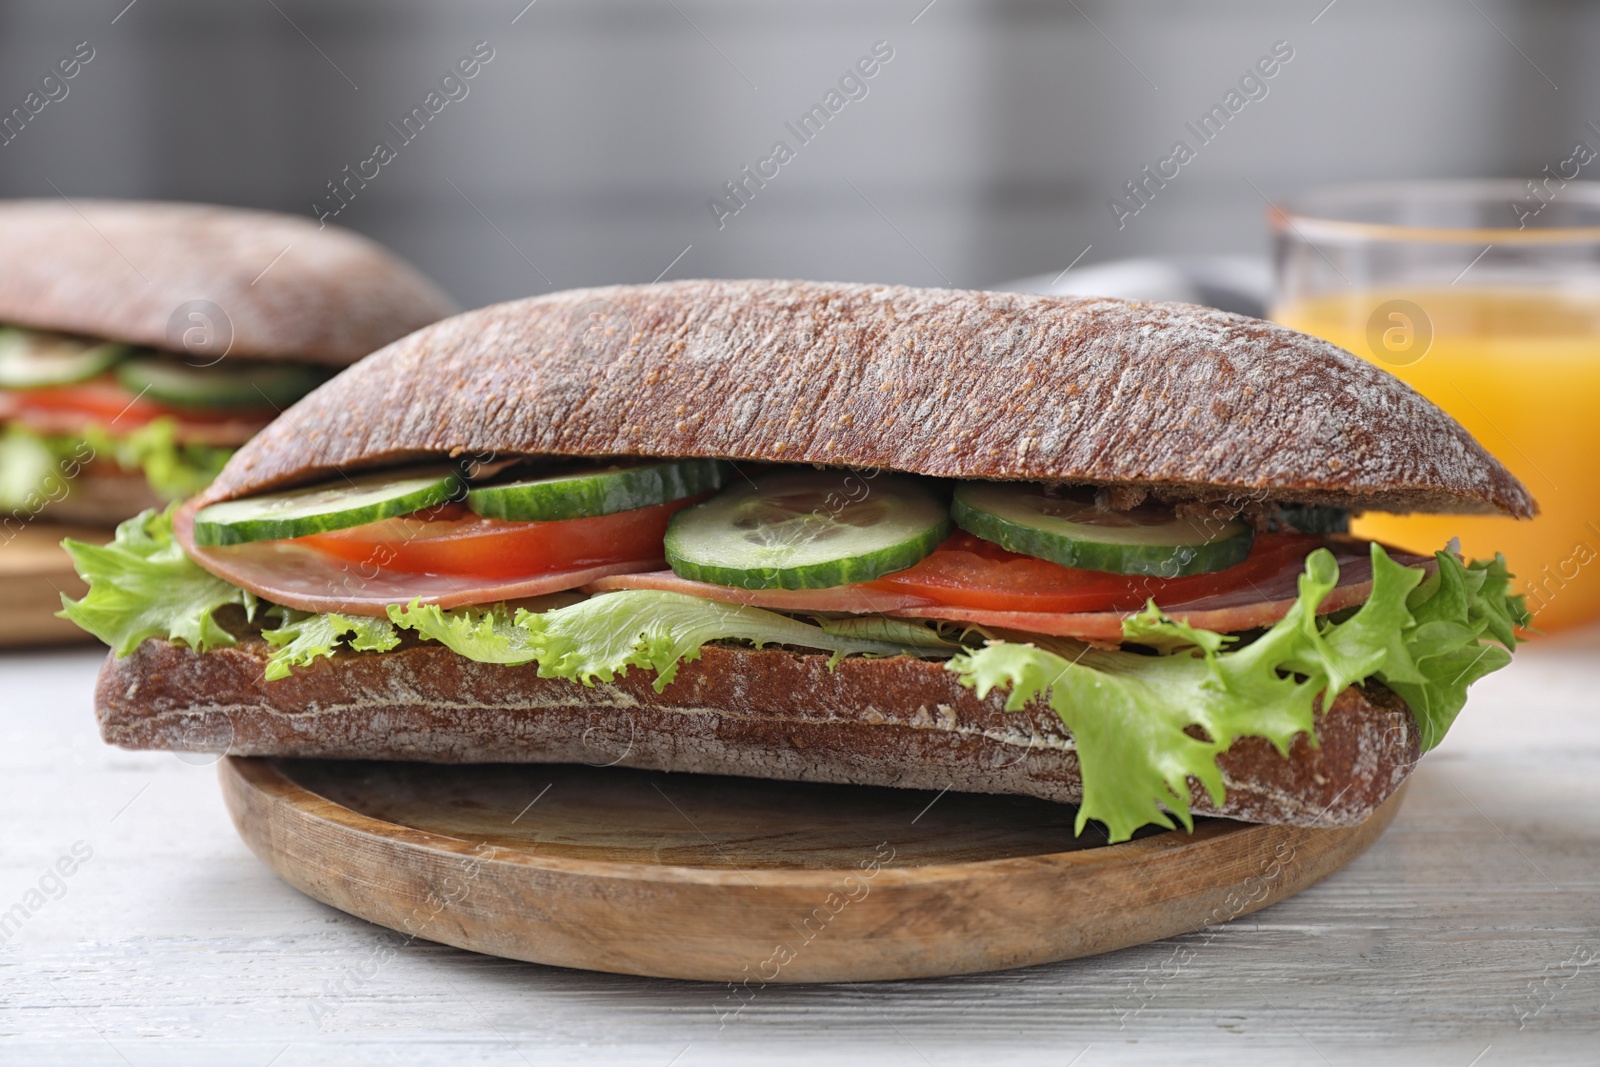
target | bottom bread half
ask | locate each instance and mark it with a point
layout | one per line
(769, 713)
(104, 495)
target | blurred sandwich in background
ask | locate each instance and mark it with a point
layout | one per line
(142, 343)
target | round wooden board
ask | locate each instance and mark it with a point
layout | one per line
(34, 572)
(745, 880)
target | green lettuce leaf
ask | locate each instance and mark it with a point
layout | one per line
(605, 635)
(305, 637)
(174, 470)
(486, 635)
(910, 633)
(600, 638)
(142, 585)
(27, 467)
(36, 469)
(1130, 714)
(1458, 606)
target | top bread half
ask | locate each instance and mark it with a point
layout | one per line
(131, 272)
(1187, 401)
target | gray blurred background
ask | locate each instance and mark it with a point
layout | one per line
(588, 149)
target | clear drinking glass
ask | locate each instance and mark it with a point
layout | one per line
(1485, 297)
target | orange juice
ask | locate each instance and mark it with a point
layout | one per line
(1520, 369)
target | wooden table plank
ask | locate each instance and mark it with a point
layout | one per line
(172, 944)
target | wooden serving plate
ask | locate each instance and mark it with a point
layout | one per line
(744, 880)
(34, 571)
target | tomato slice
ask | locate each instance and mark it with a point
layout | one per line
(105, 400)
(97, 399)
(967, 571)
(452, 540)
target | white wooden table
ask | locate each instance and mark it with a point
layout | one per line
(1469, 935)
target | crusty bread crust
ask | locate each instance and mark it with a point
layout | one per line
(1188, 400)
(121, 270)
(770, 713)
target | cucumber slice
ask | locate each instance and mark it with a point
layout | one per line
(597, 491)
(807, 530)
(236, 384)
(320, 508)
(30, 359)
(1075, 533)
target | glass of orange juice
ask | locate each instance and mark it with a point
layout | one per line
(1485, 297)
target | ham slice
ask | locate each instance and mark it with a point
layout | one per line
(1261, 603)
(855, 599)
(296, 576)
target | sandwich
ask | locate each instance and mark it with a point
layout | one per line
(142, 343)
(1080, 549)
